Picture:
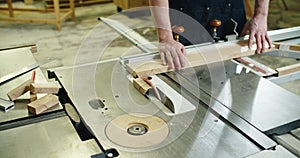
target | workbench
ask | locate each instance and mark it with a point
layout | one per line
(128, 4)
(59, 14)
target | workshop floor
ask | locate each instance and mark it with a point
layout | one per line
(60, 47)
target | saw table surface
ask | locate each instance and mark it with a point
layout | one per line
(192, 133)
(257, 100)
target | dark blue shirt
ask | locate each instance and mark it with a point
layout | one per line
(202, 12)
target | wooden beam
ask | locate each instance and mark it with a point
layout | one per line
(72, 9)
(56, 13)
(46, 21)
(35, 9)
(10, 8)
(28, 2)
(57, 20)
(294, 47)
(65, 16)
(248, 8)
(195, 57)
(288, 69)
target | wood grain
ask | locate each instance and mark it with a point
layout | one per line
(42, 104)
(288, 69)
(289, 46)
(141, 85)
(19, 90)
(44, 88)
(195, 57)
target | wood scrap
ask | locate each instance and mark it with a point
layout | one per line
(43, 104)
(141, 85)
(44, 88)
(19, 90)
(33, 97)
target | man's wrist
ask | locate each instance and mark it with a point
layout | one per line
(261, 15)
(164, 35)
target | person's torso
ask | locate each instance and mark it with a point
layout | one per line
(204, 11)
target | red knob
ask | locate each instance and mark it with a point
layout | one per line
(215, 23)
(178, 29)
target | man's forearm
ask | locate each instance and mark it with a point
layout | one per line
(160, 13)
(258, 26)
(261, 8)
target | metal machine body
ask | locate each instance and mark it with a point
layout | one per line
(22, 134)
(196, 132)
(235, 115)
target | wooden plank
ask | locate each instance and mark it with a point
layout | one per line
(137, 3)
(47, 10)
(50, 21)
(288, 69)
(19, 90)
(127, 4)
(72, 9)
(141, 85)
(77, 3)
(57, 14)
(287, 46)
(195, 57)
(248, 8)
(44, 88)
(57, 20)
(28, 1)
(10, 8)
(42, 104)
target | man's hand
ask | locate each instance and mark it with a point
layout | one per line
(172, 53)
(257, 28)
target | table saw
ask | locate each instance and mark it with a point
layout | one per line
(233, 104)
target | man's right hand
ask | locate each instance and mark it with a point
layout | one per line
(172, 53)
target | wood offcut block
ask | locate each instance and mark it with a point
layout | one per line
(44, 88)
(33, 97)
(19, 90)
(141, 85)
(43, 104)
